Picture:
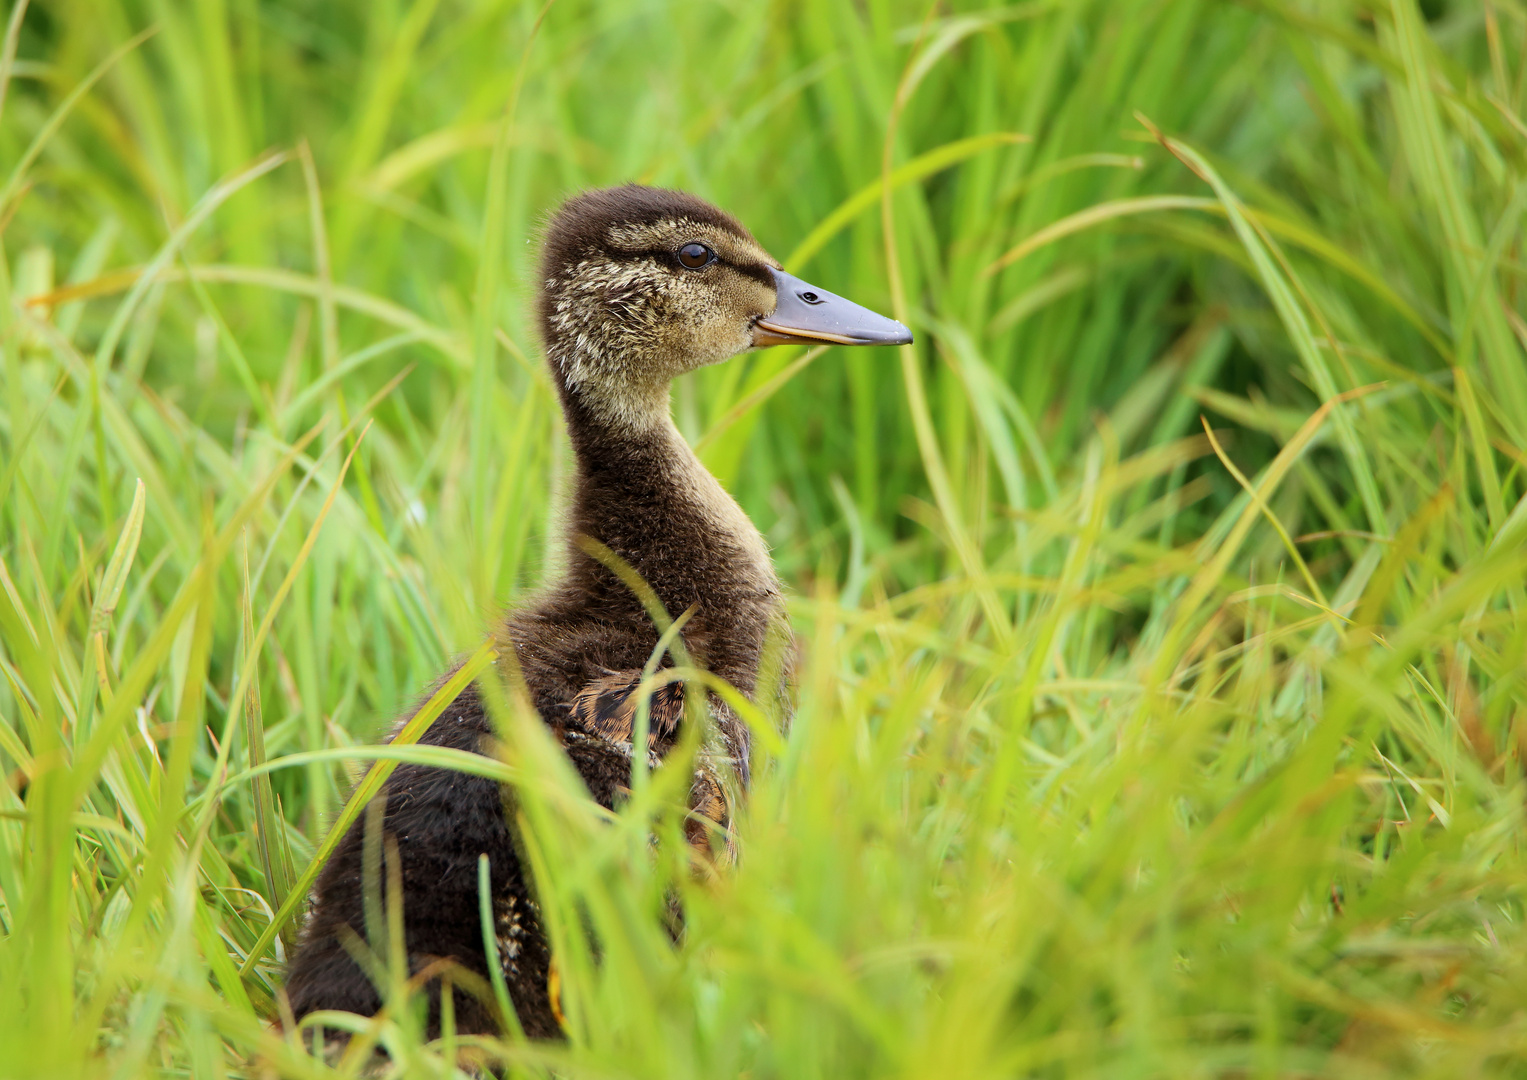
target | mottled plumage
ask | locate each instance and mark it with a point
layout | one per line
(620, 316)
(607, 707)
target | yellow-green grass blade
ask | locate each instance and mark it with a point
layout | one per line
(373, 782)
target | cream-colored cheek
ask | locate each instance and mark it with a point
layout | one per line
(716, 340)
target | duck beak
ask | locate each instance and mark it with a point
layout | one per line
(807, 313)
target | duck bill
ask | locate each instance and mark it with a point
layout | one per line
(806, 313)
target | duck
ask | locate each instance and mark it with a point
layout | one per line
(637, 285)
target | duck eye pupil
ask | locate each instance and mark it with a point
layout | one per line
(694, 256)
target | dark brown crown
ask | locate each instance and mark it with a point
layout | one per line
(582, 225)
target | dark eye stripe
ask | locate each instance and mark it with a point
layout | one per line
(759, 274)
(667, 256)
(657, 255)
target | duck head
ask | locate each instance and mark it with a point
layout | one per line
(640, 285)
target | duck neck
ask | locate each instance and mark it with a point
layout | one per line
(611, 427)
(642, 492)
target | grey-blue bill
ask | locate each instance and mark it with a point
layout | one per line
(806, 312)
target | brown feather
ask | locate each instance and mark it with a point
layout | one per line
(607, 707)
(709, 813)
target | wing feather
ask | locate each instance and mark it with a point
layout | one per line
(607, 707)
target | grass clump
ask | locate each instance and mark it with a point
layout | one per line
(1161, 703)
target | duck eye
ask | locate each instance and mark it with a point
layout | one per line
(695, 256)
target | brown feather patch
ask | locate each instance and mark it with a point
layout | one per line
(707, 799)
(607, 707)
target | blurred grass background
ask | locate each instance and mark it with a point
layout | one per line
(1122, 748)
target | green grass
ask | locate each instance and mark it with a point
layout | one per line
(1121, 749)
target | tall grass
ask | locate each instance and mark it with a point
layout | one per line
(1161, 702)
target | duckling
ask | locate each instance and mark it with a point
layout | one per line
(638, 285)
